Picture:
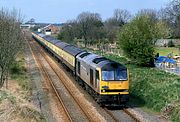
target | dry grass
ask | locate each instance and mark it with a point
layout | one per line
(15, 105)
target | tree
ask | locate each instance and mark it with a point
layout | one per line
(31, 21)
(90, 26)
(11, 41)
(171, 15)
(151, 13)
(87, 26)
(68, 32)
(137, 40)
(121, 16)
(114, 24)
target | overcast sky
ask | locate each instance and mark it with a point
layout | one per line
(58, 11)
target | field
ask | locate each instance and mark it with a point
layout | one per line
(164, 51)
(152, 89)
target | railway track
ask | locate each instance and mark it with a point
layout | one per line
(131, 115)
(125, 111)
(88, 114)
(112, 116)
(48, 79)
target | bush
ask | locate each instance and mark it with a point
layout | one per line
(18, 73)
(16, 68)
(137, 40)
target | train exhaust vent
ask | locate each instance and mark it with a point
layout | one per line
(97, 60)
(83, 55)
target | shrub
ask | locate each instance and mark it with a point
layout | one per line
(137, 39)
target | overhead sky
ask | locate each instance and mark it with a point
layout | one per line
(58, 11)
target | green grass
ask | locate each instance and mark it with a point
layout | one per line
(164, 51)
(151, 88)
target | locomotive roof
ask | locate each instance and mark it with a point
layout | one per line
(107, 62)
(73, 50)
(98, 61)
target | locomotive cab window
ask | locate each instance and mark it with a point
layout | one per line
(114, 73)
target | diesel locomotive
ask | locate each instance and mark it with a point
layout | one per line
(106, 80)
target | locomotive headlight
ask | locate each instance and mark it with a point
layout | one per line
(105, 87)
(103, 90)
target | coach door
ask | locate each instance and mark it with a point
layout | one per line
(91, 77)
(97, 79)
(78, 67)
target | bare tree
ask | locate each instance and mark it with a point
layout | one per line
(151, 13)
(89, 26)
(114, 24)
(121, 16)
(173, 16)
(68, 32)
(31, 21)
(11, 41)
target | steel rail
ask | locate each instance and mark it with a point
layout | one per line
(131, 115)
(47, 77)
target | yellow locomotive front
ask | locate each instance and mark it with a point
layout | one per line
(114, 83)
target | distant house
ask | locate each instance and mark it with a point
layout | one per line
(177, 58)
(164, 42)
(165, 62)
(48, 32)
(50, 29)
(26, 26)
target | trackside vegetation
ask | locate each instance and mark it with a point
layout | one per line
(153, 89)
(19, 73)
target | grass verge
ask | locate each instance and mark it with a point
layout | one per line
(16, 104)
(164, 51)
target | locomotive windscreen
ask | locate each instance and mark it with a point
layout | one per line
(114, 72)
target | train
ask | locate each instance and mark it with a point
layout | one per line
(106, 80)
